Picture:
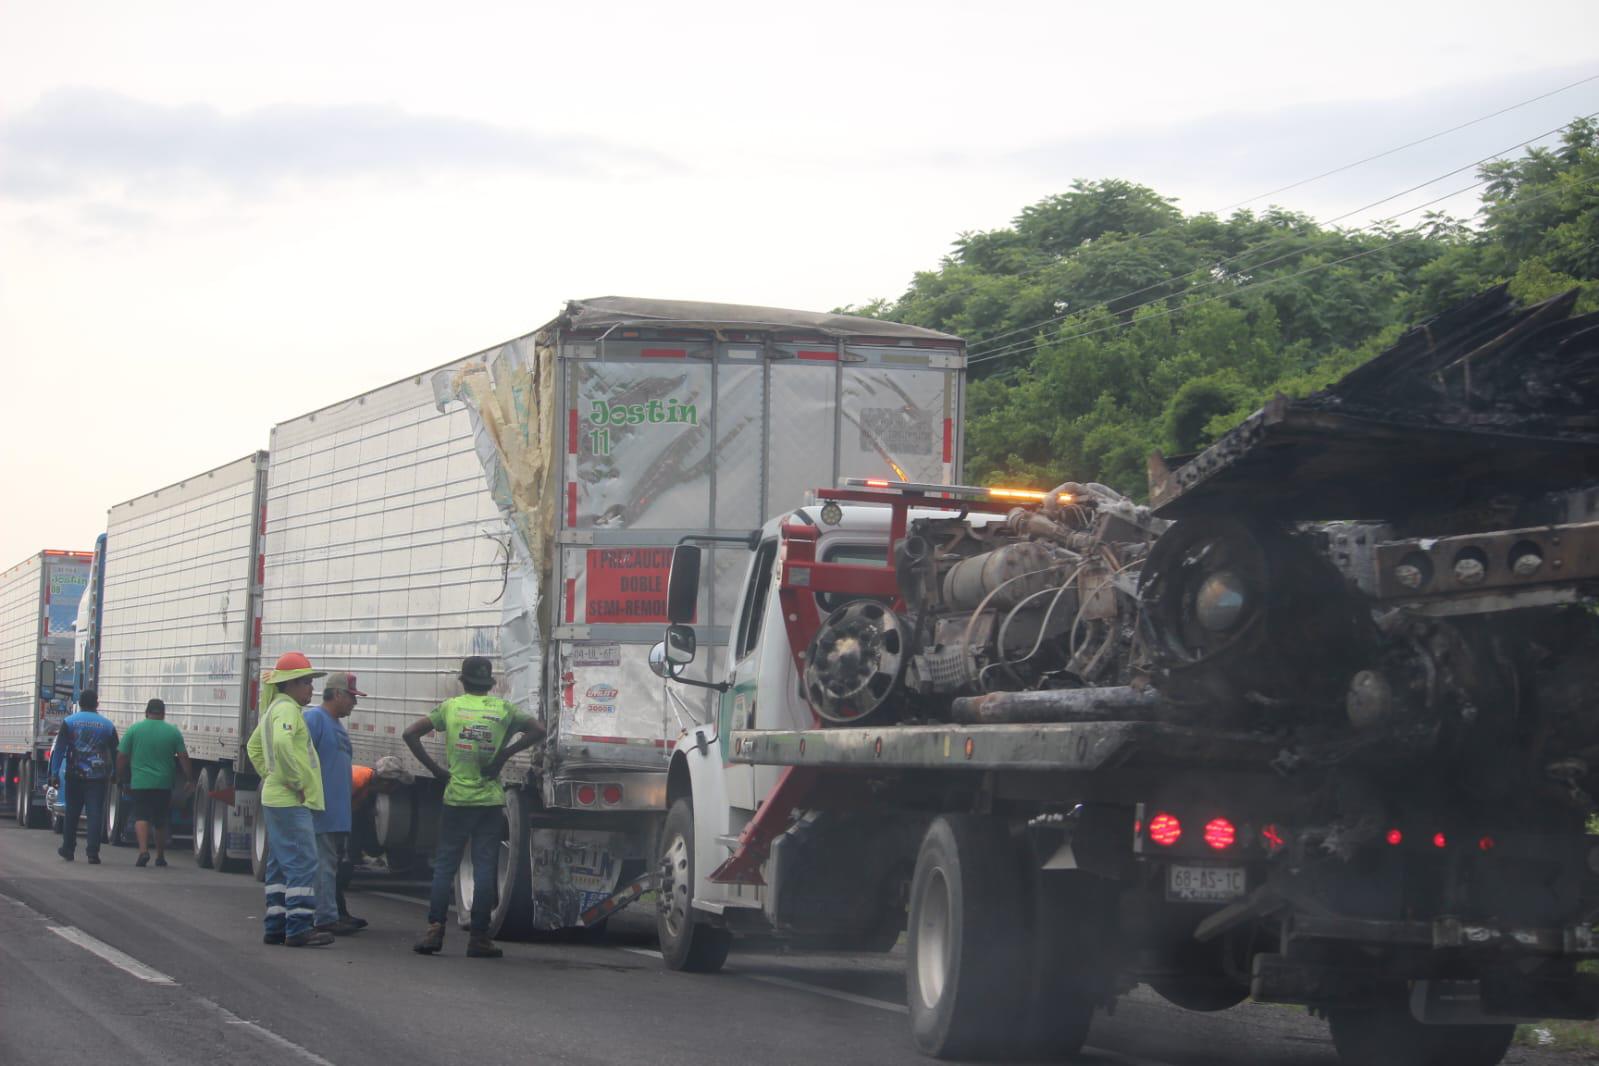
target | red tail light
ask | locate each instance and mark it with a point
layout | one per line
(585, 795)
(1485, 844)
(611, 794)
(1165, 829)
(1395, 837)
(1272, 837)
(1439, 840)
(1220, 834)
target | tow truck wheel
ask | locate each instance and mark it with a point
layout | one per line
(1391, 1036)
(204, 841)
(967, 983)
(686, 945)
(512, 917)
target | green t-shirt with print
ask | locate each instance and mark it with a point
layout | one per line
(150, 746)
(475, 728)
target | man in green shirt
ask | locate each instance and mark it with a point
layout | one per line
(476, 727)
(144, 766)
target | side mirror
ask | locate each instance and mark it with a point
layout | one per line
(658, 664)
(680, 646)
(47, 679)
(683, 590)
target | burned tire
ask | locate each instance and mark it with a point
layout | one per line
(686, 944)
(967, 982)
(512, 917)
(116, 817)
(200, 812)
(1391, 1036)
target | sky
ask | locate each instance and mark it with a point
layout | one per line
(214, 218)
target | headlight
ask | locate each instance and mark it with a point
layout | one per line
(1221, 601)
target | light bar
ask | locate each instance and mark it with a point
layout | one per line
(960, 492)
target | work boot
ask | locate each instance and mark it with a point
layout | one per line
(480, 946)
(352, 921)
(314, 939)
(64, 853)
(94, 860)
(339, 928)
(272, 938)
(432, 940)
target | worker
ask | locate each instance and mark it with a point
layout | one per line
(476, 728)
(280, 748)
(332, 823)
(82, 763)
(144, 766)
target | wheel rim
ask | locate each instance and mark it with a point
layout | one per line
(113, 797)
(258, 840)
(933, 939)
(219, 827)
(200, 816)
(466, 882)
(672, 897)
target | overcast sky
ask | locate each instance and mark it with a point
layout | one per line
(216, 217)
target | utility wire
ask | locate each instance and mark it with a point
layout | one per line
(980, 348)
(1410, 144)
(972, 287)
(1288, 277)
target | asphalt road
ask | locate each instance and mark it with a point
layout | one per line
(116, 964)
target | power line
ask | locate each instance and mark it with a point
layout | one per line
(1410, 144)
(980, 348)
(972, 287)
(1286, 277)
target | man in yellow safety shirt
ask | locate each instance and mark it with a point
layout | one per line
(291, 788)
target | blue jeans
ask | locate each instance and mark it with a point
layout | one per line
(329, 847)
(85, 796)
(291, 869)
(481, 827)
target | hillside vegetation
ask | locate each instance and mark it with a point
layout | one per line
(1104, 323)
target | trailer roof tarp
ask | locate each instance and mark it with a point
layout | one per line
(609, 312)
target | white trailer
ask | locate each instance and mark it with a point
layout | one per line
(178, 602)
(38, 605)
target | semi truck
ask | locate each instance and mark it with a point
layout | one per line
(1315, 726)
(520, 503)
(38, 605)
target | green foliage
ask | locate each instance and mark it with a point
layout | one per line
(1104, 324)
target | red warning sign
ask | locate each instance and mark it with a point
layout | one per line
(626, 585)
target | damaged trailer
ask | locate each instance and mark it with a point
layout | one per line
(1317, 726)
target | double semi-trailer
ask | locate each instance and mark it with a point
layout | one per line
(38, 606)
(521, 503)
(1230, 748)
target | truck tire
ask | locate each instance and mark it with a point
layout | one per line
(1391, 1036)
(31, 813)
(258, 848)
(201, 815)
(116, 820)
(224, 857)
(1073, 949)
(686, 944)
(512, 918)
(968, 975)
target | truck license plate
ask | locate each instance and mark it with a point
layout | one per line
(1204, 884)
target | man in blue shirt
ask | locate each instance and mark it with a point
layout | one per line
(332, 823)
(82, 762)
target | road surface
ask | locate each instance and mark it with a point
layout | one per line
(131, 966)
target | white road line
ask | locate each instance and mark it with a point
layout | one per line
(130, 965)
(831, 993)
(304, 1054)
(124, 962)
(397, 896)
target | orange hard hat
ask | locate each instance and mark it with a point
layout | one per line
(292, 665)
